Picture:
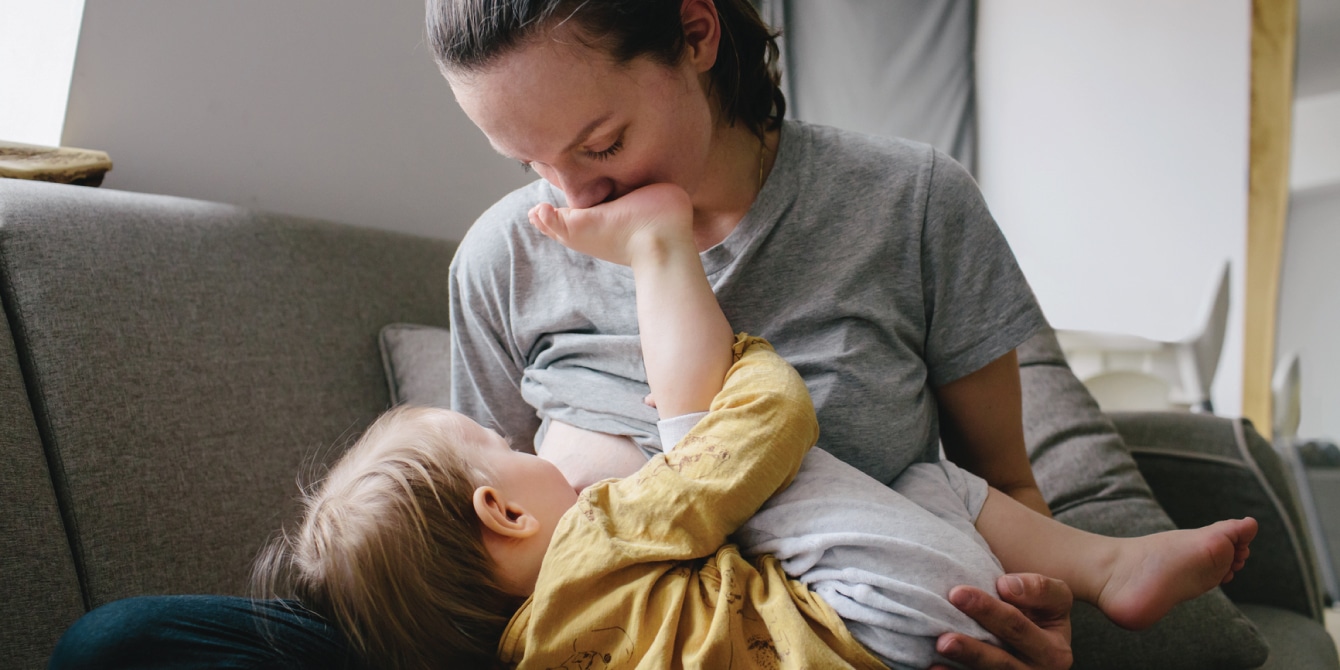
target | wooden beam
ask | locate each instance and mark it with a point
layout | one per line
(1274, 36)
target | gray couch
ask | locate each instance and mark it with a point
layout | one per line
(169, 366)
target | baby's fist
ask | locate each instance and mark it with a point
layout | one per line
(658, 214)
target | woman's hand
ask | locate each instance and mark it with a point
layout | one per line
(1031, 618)
(615, 231)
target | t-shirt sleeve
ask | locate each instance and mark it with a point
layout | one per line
(978, 304)
(486, 366)
(683, 504)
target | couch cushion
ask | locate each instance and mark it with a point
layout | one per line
(1296, 642)
(188, 359)
(417, 359)
(36, 570)
(1091, 482)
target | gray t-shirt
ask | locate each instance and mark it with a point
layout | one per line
(871, 264)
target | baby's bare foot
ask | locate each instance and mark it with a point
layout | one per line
(1152, 574)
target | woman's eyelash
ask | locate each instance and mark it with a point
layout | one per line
(598, 155)
(608, 153)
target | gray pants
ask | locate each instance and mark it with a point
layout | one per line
(883, 557)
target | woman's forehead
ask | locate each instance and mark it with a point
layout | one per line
(543, 98)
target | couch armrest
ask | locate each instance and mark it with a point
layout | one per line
(1296, 642)
(1091, 482)
(1203, 468)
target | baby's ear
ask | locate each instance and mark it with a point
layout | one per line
(498, 516)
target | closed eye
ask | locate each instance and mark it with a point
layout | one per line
(607, 153)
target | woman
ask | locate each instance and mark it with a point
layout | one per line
(873, 266)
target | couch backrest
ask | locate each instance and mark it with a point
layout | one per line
(186, 360)
(37, 576)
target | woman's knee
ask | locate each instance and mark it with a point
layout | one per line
(199, 632)
(109, 635)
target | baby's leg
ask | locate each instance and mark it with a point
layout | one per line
(883, 561)
(1134, 581)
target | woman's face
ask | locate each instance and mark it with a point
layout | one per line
(593, 128)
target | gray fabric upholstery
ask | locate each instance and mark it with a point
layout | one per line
(37, 577)
(188, 359)
(1091, 482)
(418, 364)
(1204, 468)
(1296, 642)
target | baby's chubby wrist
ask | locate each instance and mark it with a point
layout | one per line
(654, 246)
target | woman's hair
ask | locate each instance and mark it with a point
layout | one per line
(390, 549)
(470, 35)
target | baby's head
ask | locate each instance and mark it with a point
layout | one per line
(423, 539)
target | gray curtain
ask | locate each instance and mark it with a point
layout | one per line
(899, 68)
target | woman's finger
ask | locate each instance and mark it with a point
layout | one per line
(1038, 635)
(976, 654)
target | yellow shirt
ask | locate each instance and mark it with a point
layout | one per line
(639, 573)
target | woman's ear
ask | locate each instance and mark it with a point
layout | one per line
(501, 518)
(702, 33)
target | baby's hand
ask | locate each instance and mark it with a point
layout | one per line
(616, 231)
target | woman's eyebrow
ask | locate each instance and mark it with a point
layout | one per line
(587, 130)
(582, 136)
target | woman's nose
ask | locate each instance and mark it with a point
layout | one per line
(583, 191)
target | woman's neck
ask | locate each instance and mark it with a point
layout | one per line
(736, 170)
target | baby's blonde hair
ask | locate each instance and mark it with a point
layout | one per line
(391, 550)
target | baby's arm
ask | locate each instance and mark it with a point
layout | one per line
(761, 421)
(686, 340)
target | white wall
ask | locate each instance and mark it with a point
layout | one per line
(1114, 139)
(36, 59)
(1309, 310)
(324, 108)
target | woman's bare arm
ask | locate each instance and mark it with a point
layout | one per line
(981, 425)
